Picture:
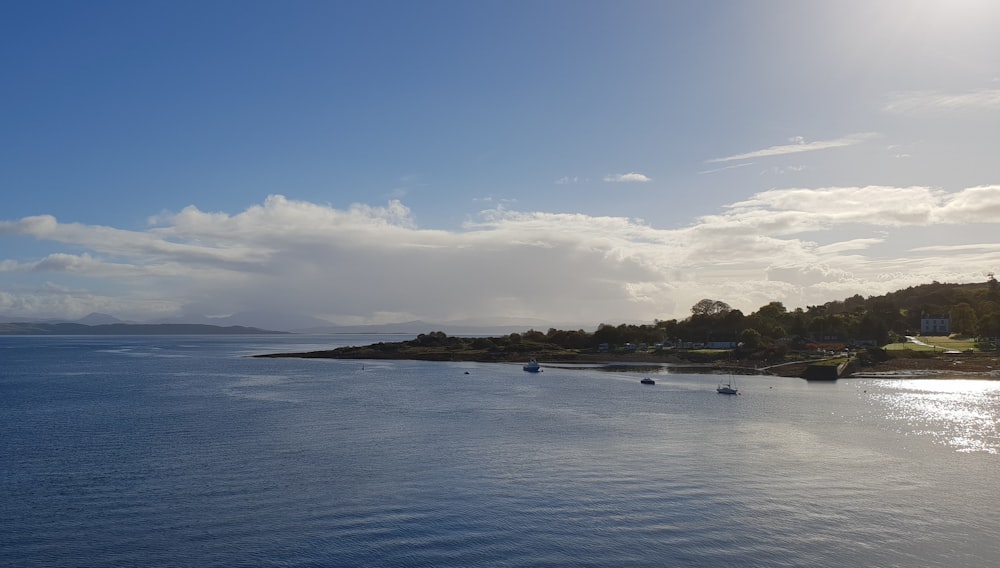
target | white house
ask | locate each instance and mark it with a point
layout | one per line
(935, 325)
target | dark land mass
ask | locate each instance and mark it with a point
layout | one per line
(465, 349)
(873, 364)
(28, 328)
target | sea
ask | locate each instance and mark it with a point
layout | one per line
(186, 451)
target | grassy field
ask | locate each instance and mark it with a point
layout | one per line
(934, 343)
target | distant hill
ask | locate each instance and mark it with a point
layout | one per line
(454, 327)
(96, 318)
(29, 328)
(263, 319)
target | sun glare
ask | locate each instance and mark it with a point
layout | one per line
(934, 17)
(959, 413)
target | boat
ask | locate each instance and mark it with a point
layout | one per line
(648, 381)
(727, 388)
(533, 367)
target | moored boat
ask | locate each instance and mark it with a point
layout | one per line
(727, 388)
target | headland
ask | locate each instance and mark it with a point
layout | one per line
(873, 363)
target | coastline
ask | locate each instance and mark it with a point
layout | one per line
(973, 366)
(896, 365)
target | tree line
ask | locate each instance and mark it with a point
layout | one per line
(772, 330)
(974, 311)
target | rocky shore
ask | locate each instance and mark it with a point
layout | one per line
(974, 364)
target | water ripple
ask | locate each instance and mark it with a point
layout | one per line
(214, 459)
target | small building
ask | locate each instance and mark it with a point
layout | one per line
(935, 325)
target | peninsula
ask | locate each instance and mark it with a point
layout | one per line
(871, 362)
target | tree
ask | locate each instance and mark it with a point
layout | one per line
(609, 334)
(708, 307)
(770, 320)
(989, 326)
(533, 336)
(432, 338)
(854, 303)
(750, 338)
(773, 311)
(569, 339)
(987, 307)
(733, 319)
(798, 322)
(963, 319)
(886, 310)
(873, 327)
(482, 343)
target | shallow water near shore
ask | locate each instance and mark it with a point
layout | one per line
(184, 451)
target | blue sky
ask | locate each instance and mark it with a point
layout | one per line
(570, 161)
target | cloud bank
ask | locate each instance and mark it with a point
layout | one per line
(800, 246)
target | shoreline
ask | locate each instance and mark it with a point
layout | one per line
(926, 374)
(979, 365)
(971, 366)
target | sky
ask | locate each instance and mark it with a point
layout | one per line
(571, 161)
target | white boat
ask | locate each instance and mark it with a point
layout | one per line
(533, 367)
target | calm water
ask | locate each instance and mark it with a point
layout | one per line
(180, 451)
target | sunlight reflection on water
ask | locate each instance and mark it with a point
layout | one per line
(218, 459)
(959, 413)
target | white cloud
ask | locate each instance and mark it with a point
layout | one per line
(935, 103)
(365, 263)
(798, 145)
(724, 168)
(974, 205)
(851, 245)
(627, 178)
(991, 247)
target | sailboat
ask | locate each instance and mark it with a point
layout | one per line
(728, 387)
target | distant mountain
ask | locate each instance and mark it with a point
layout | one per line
(96, 318)
(263, 319)
(409, 327)
(299, 323)
(294, 323)
(93, 318)
(454, 327)
(29, 328)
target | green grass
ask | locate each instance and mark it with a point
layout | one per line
(934, 343)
